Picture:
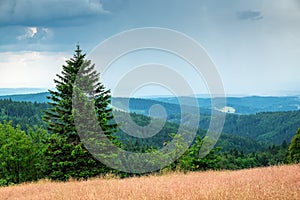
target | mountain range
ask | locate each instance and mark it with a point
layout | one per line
(235, 105)
(256, 120)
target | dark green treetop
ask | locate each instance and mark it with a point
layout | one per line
(60, 117)
(294, 149)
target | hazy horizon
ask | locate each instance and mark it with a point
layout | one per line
(32, 90)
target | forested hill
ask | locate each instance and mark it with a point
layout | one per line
(267, 127)
(270, 127)
(22, 113)
(237, 105)
(36, 97)
(28, 114)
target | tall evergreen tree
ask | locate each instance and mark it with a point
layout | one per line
(59, 117)
(69, 152)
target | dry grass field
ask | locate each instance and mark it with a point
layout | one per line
(281, 182)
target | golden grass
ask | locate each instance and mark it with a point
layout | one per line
(280, 182)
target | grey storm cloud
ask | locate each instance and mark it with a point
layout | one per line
(40, 12)
(249, 15)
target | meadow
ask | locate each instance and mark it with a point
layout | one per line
(277, 182)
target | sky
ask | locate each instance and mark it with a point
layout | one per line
(255, 45)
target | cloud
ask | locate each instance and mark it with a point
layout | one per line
(45, 12)
(30, 68)
(35, 34)
(249, 15)
(30, 33)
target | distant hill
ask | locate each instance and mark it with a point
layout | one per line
(13, 91)
(264, 119)
(266, 127)
(237, 105)
(142, 106)
(28, 113)
(246, 105)
(37, 97)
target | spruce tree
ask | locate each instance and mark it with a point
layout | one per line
(68, 155)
